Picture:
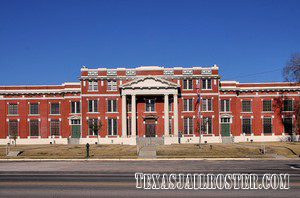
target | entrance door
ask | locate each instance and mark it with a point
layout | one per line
(150, 128)
(225, 126)
(75, 126)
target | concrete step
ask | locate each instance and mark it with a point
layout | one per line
(143, 141)
(74, 141)
(228, 140)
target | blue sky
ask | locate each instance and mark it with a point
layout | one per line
(47, 42)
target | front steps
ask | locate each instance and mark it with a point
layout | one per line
(227, 139)
(73, 140)
(147, 146)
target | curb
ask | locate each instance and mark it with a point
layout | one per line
(148, 159)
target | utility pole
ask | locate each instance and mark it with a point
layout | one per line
(199, 112)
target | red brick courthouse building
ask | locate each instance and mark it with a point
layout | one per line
(115, 106)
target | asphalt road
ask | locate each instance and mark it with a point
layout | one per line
(116, 178)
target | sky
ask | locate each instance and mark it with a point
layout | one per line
(48, 41)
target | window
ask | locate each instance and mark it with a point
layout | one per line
(93, 126)
(225, 120)
(206, 84)
(246, 122)
(287, 105)
(34, 109)
(93, 106)
(129, 105)
(112, 126)
(93, 85)
(206, 105)
(225, 105)
(54, 127)
(111, 105)
(188, 125)
(13, 127)
(129, 126)
(170, 105)
(267, 122)
(34, 127)
(207, 125)
(288, 125)
(75, 107)
(111, 85)
(187, 104)
(75, 122)
(188, 84)
(170, 126)
(267, 105)
(54, 108)
(150, 105)
(13, 109)
(246, 106)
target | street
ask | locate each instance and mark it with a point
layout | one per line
(116, 178)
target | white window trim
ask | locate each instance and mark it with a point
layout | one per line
(206, 87)
(93, 83)
(112, 127)
(112, 106)
(93, 106)
(39, 131)
(225, 106)
(207, 126)
(58, 108)
(188, 105)
(112, 82)
(76, 111)
(188, 126)
(58, 130)
(188, 87)
(263, 130)
(206, 110)
(150, 106)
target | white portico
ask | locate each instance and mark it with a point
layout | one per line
(149, 86)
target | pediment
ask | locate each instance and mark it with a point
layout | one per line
(73, 117)
(150, 82)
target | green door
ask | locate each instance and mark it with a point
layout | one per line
(75, 131)
(225, 129)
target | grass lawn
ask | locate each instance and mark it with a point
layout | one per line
(237, 150)
(59, 151)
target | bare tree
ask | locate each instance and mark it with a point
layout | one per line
(291, 72)
(278, 107)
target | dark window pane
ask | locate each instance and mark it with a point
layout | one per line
(246, 106)
(267, 122)
(34, 108)
(247, 125)
(54, 127)
(208, 83)
(34, 128)
(13, 128)
(267, 105)
(78, 107)
(55, 108)
(288, 105)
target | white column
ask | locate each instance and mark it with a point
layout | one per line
(133, 116)
(124, 119)
(166, 112)
(175, 115)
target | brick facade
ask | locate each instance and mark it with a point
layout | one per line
(102, 93)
